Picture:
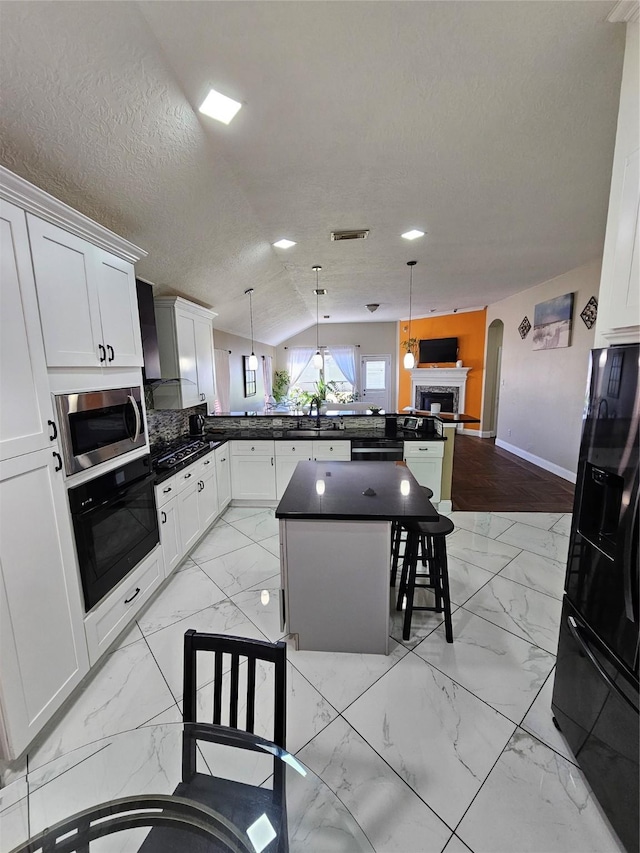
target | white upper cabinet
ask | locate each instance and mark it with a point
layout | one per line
(185, 341)
(26, 417)
(87, 299)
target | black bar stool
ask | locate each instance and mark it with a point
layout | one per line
(397, 539)
(428, 537)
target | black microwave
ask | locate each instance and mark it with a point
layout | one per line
(96, 426)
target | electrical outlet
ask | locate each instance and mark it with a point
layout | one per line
(508, 432)
(277, 421)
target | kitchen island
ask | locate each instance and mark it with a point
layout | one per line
(335, 544)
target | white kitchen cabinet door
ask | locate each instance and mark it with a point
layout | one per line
(328, 451)
(203, 335)
(26, 414)
(43, 650)
(428, 472)
(285, 466)
(223, 476)
(253, 477)
(207, 498)
(169, 525)
(188, 362)
(118, 311)
(65, 275)
(188, 515)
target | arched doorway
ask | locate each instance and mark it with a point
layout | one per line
(492, 377)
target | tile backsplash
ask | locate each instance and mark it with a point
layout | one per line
(167, 424)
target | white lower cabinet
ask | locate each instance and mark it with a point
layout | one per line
(253, 472)
(103, 624)
(331, 451)
(223, 475)
(43, 650)
(187, 501)
(424, 460)
(288, 454)
(169, 523)
(207, 494)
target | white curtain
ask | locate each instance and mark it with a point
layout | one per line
(345, 359)
(297, 359)
(267, 377)
(223, 381)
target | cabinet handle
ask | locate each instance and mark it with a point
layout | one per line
(186, 476)
(272, 460)
(112, 356)
(164, 516)
(167, 490)
(208, 462)
(423, 449)
(127, 600)
(54, 430)
(223, 459)
(200, 485)
(103, 358)
(59, 458)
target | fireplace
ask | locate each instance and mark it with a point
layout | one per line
(445, 398)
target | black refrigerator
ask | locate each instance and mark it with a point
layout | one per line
(595, 693)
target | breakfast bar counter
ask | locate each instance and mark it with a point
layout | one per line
(335, 544)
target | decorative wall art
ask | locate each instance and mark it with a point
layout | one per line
(525, 327)
(552, 322)
(590, 312)
(249, 378)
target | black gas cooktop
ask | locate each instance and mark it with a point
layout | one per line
(176, 454)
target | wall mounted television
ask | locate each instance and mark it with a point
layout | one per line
(435, 350)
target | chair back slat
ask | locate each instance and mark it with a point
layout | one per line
(244, 654)
(233, 691)
(217, 689)
(251, 694)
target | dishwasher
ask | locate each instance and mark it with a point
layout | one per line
(377, 450)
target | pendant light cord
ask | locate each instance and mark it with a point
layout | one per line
(251, 314)
(317, 315)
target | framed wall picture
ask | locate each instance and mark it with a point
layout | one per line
(552, 322)
(249, 378)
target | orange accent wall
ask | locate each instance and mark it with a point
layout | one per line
(469, 329)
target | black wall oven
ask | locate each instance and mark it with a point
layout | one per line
(115, 525)
(99, 425)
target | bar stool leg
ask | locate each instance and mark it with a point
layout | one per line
(412, 549)
(441, 545)
(396, 538)
(402, 588)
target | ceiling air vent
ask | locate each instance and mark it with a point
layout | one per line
(350, 235)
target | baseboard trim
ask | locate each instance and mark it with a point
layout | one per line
(477, 433)
(445, 506)
(537, 460)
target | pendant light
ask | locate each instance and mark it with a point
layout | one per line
(252, 363)
(317, 359)
(409, 359)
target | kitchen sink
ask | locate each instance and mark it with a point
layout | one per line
(319, 433)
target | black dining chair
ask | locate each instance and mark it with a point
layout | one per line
(238, 651)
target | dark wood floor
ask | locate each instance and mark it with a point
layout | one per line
(486, 477)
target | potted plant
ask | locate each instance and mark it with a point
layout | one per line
(281, 382)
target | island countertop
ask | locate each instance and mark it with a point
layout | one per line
(334, 491)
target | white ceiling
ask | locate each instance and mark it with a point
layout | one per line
(489, 125)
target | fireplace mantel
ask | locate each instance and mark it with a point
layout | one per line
(435, 377)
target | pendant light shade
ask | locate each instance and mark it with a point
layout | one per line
(252, 362)
(317, 358)
(409, 360)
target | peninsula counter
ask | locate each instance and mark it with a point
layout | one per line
(335, 544)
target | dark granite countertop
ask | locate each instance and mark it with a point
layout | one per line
(341, 495)
(335, 435)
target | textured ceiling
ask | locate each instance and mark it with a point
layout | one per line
(489, 125)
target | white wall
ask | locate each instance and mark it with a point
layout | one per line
(373, 338)
(542, 391)
(239, 347)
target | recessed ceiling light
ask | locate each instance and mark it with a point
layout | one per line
(411, 235)
(284, 244)
(218, 106)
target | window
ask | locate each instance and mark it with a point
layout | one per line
(329, 373)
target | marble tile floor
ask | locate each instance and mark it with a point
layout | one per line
(436, 748)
